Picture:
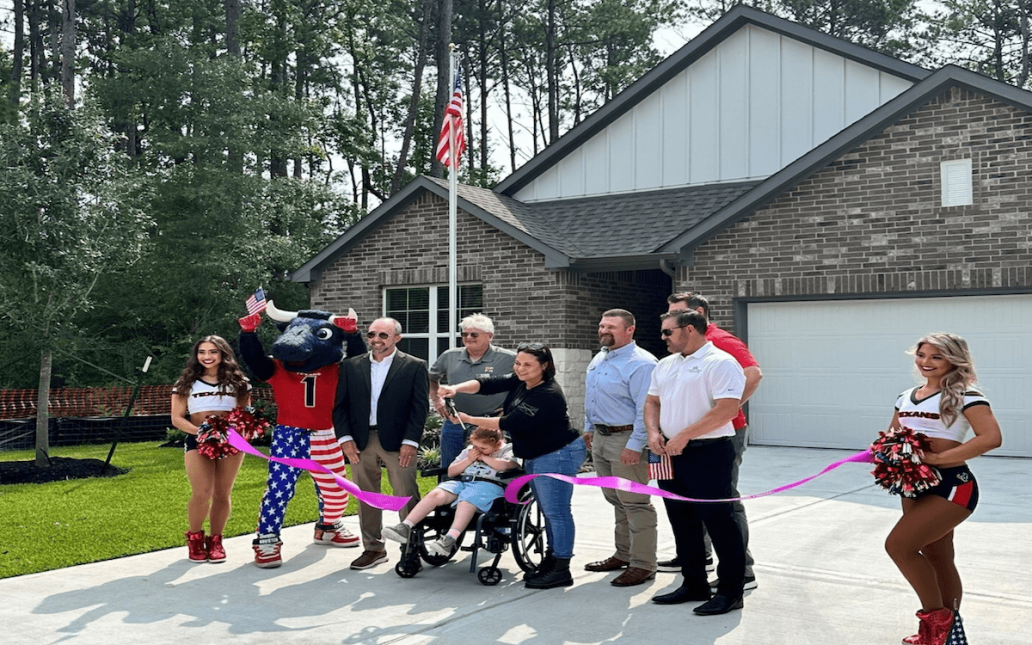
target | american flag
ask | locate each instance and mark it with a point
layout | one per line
(660, 467)
(452, 119)
(256, 302)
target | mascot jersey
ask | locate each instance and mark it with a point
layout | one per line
(305, 400)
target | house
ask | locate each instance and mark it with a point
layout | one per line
(833, 203)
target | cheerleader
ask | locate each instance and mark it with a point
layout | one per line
(943, 408)
(211, 384)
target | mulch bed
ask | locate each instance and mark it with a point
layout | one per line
(60, 469)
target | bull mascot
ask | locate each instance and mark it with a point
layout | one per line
(303, 371)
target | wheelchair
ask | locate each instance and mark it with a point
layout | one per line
(520, 527)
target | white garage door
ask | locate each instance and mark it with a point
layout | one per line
(832, 369)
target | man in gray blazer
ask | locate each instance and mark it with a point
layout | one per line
(379, 414)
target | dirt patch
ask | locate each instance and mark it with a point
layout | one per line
(60, 469)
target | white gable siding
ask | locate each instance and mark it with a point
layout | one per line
(749, 107)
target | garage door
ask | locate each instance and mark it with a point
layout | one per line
(832, 369)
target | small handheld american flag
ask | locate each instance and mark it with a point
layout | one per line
(660, 467)
(256, 302)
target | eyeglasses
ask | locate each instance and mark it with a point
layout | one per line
(472, 334)
(530, 347)
(667, 333)
(382, 335)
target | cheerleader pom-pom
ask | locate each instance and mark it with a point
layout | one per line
(899, 470)
(249, 422)
(212, 441)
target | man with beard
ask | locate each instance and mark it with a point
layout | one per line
(614, 430)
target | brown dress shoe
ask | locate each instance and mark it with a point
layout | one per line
(633, 576)
(611, 563)
(369, 559)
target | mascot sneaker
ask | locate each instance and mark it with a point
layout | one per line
(267, 552)
(336, 537)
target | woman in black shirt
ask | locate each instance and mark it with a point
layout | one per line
(535, 417)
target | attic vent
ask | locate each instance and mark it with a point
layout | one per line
(956, 182)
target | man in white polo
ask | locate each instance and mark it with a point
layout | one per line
(695, 393)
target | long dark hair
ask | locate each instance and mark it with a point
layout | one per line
(230, 376)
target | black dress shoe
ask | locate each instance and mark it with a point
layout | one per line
(681, 595)
(720, 604)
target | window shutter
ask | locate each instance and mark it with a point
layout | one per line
(957, 188)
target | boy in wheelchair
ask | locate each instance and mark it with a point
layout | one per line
(475, 488)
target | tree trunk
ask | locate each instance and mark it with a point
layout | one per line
(43, 411)
(444, 83)
(54, 30)
(68, 51)
(35, 44)
(18, 52)
(413, 108)
(552, 75)
(234, 10)
(503, 50)
(483, 89)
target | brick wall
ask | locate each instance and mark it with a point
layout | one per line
(520, 295)
(871, 222)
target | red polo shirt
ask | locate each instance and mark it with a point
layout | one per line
(732, 345)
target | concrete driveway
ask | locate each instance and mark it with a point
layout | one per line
(823, 578)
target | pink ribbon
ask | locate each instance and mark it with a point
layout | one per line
(376, 500)
(619, 483)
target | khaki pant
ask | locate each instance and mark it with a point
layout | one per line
(635, 533)
(367, 474)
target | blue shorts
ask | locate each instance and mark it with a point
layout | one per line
(958, 485)
(190, 443)
(478, 493)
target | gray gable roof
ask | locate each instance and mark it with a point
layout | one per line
(609, 232)
(699, 46)
(845, 141)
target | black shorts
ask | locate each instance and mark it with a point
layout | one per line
(958, 485)
(190, 443)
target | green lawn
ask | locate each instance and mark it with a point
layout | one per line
(60, 524)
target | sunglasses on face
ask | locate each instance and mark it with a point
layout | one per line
(471, 334)
(667, 333)
(530, 347)
(382, 335)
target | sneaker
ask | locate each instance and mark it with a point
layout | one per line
(442, 546)
(750, 583)
(337, 537)
(195, 546)
(398, 532)
(216, 553)
(267, 552)
(674, 565)
(369, 559)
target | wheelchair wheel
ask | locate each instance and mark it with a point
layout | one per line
(429, 535)
(489, 576)
(528, 536)
(406, 569)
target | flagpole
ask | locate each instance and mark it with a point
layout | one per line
(453, 289)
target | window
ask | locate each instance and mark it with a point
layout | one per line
(957, 188)
(426, 335)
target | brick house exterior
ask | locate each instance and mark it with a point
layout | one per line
(857, 219)
(870, 223)
(526, 301)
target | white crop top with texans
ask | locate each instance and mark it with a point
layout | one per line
(923, 415)
(206, 397)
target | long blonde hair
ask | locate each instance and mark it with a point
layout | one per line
(958, 380)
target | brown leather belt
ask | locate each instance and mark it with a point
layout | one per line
(605, 430)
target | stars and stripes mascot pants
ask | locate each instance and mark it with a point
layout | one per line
(302, 370)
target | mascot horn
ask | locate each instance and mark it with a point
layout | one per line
(303, 371)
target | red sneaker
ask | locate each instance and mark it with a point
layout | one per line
(337, 537)
(214, 548)
(195, 545)
(267, 552)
